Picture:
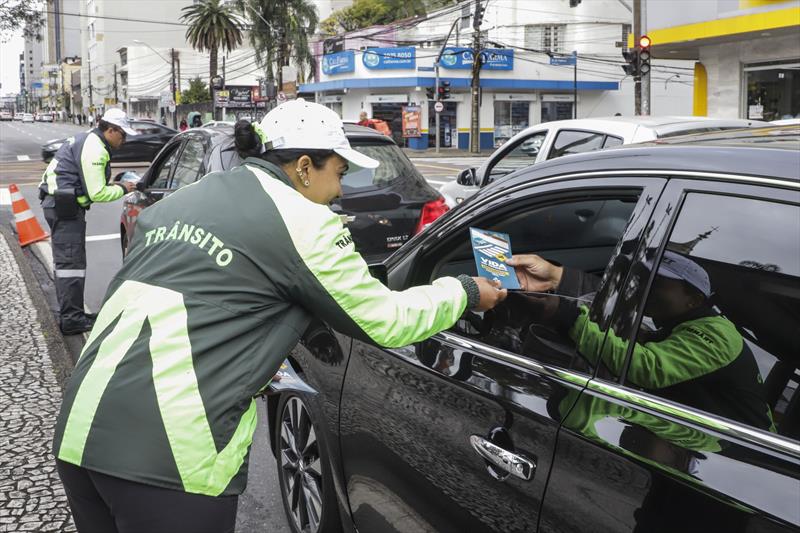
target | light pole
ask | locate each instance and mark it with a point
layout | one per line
(172, 74)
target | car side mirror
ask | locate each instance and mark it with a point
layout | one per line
(379, 272)
(128, 176)
(467, 177)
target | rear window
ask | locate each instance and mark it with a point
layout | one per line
(393, 164)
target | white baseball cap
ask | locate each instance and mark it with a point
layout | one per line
(307, 125)
(118, 118)
(676, 266)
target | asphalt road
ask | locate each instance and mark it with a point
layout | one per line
(260, 507)
(22, 141)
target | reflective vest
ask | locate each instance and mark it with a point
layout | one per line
(82, 163)
(222, 278)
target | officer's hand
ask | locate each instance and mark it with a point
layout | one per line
(129, 186)
(536, 274)
(490, 292)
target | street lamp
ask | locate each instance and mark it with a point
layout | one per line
(172, 83)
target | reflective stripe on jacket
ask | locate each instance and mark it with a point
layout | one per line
(222, 278)
(82, 163)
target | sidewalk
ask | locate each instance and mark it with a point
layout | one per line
(33, 364)
(444, 153)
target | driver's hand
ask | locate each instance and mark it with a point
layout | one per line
(536, 274)
(490, 292)
(129, 186)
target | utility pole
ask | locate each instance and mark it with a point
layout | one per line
(644, 73)
(637, 32)
(172, 88)
(475, 125)
(575, 84)
(116, 97)
(91, 99)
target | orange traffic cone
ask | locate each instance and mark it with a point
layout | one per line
(28, 227)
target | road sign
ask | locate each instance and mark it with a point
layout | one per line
(281, 96)
(438, 107)
(563, 60)
(172, 108)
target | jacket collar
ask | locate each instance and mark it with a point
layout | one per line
(99, 133)
(273, 169)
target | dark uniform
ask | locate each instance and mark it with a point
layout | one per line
(76, 177)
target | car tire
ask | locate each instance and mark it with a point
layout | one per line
(304, 472)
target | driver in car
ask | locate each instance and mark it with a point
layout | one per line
(696, 356)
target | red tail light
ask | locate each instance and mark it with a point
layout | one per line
(430, 212)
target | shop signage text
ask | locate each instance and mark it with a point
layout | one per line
(412, 118)
(564, 60)
(459, 58)
(339, 63)
(390, 58)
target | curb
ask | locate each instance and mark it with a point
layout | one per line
(56, 346)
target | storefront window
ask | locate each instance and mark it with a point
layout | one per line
(556, 111)
(336, 106)
(773, 91)
(510, 118)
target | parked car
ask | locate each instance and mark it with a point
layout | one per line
(6, 115)
(143, 147)
(44, 117)
(550, 140)
(525, 418)
(218, 123)
(27, 117)
(383, 208)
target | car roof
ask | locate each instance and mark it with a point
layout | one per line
(365, 133)
(763, 152)
(659, 125)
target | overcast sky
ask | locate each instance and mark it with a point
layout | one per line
(9, 63)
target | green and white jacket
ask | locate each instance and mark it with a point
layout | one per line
(222, 279)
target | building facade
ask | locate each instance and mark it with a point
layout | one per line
(747, 53)
(542, 62)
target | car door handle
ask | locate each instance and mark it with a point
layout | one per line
(515, 464)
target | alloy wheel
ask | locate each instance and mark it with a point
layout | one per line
(302, 469)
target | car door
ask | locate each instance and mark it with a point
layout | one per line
(716, 449)
(456, 433)
(157, 180)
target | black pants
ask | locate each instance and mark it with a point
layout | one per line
(68, 239)
(107, 504)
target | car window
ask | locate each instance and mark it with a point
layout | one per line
(145, 128)
(581, 235)
(575, 142)
(721, 321)
(189, 164)
(393, 164)
(612, 141)
(164, 167)
(523, 154)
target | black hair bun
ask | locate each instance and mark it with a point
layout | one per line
(246, 139)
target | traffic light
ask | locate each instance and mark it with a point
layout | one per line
(444, 90)
(631, 66)
(429, 91)
(476, 21)
(644, 55)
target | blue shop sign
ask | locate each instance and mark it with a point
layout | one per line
(564, 60)
(458, 58)
(339, 63)
(389, 58)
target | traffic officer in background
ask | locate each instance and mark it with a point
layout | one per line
(77, 176)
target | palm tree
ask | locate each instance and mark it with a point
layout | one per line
(279, 34)
(212, 25)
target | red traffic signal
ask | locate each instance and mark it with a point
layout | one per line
(644, 42)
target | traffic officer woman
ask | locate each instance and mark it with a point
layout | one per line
(221, 280)
(77, 176)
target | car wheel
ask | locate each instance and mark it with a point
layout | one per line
(304, 470)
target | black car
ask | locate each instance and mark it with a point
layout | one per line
(136, 148)
(525, 419)
(383, 208)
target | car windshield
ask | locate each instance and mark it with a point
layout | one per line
(393, 164)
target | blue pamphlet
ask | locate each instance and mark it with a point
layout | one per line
(491, 251)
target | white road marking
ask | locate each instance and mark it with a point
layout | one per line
(5, 196)
(106, 237)
(23, 158)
